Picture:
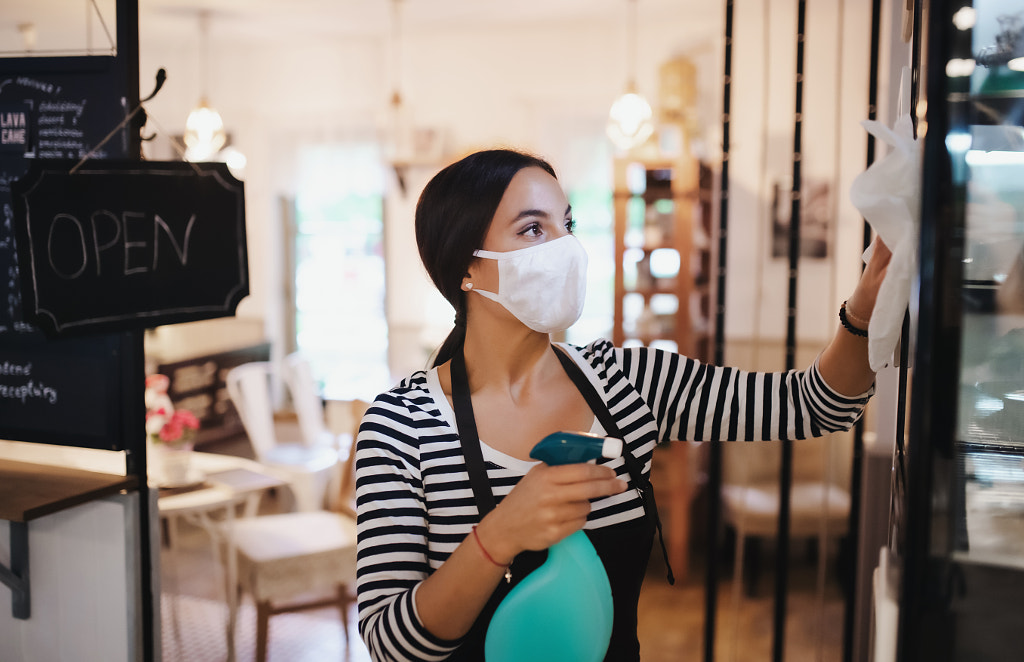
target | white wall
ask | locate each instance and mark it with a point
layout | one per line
(509, 85)
(833, 144)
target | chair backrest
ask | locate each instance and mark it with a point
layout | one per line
(347, 487)
(249, 388)
(309, 406)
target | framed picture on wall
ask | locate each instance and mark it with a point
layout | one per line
(815, 218)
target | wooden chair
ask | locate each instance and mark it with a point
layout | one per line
(286, 561)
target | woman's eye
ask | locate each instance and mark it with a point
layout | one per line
(531, 230)
(570, 225)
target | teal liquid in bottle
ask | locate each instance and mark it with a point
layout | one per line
(563, 610)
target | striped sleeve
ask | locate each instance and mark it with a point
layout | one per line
(695, 401)
(392, 527)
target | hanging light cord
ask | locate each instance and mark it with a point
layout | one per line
(631, 47)
(204, 55)
(396, 52)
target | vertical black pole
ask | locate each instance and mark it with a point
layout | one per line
(857, 470)
(786, 470)
(715, 449)
(132, 358)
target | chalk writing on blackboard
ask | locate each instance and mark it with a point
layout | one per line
(119, 245)
(60, 390)
(49, 108)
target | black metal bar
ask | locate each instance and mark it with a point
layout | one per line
(132, 360)
(715, 449)
(857, 468)
(16, 577)
(786, 468)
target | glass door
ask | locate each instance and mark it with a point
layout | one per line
(961, 539)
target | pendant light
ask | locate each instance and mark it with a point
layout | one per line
(204, 128)
(629, 120)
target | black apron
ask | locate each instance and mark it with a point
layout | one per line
(624, 549)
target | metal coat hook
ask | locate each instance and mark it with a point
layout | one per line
(161, 78)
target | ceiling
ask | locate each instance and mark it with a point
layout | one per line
(75, 24)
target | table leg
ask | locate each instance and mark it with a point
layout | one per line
(172, 532)
(231, 581)
(218, 543)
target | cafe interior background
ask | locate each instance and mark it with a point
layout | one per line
(337, 113)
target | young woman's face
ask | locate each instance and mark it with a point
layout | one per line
(533, 210)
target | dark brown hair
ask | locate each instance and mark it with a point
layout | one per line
(452, 217)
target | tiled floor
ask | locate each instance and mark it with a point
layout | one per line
(671, 619)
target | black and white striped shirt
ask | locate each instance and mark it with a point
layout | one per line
(414, 500)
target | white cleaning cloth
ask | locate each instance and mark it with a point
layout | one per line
(888, 195)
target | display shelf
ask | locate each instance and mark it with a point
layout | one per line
(663, 254)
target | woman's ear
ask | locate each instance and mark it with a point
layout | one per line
(481, 274)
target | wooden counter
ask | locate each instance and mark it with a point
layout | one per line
(29, 490)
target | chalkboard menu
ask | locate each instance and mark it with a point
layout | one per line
(50, 108)
(67, 391)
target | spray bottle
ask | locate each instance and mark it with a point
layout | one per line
(563, 609)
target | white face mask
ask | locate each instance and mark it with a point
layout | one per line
(543, 286)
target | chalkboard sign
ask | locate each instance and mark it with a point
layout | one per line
(119, 245)
(64, 391)
(51, 108)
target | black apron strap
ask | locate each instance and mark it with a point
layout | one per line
(604, 416)
(466, 422)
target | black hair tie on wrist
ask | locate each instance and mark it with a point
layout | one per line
(848, 326)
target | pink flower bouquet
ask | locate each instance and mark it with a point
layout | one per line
(177, 428)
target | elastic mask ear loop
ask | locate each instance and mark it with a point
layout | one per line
(487, 255)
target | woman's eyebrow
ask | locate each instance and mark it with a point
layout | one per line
(526, 213)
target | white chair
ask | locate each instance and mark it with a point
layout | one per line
(309, 406)
(308, 469)
(819, 509)
(298, 561)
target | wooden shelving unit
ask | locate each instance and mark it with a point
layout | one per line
(663, 254)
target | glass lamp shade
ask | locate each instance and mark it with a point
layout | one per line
(629, 121)
(204, 133)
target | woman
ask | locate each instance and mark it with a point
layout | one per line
(495, 234)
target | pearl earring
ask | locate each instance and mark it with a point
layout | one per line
(467, 286)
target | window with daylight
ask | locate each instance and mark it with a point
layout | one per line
(340, 322)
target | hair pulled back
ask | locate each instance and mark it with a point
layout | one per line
(452, 217)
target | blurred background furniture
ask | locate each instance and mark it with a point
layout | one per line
(819, 505)
(285, 556)
(306, 400)
(674, 475)
(227, 484)
(196, 358)
(301, 560)
(308, 468)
